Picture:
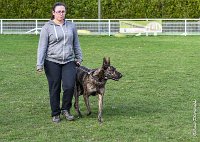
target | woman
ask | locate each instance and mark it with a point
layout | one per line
(59, 52)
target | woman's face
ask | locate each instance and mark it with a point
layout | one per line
(59, 13)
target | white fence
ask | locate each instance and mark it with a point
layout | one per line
(109, 26)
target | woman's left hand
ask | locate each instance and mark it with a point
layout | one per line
(78, 64)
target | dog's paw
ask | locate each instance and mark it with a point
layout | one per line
(80, 115)
(89, 113)
(100, 120)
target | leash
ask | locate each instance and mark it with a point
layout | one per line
(95, 80)
(88, 72)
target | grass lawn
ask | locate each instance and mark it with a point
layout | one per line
(153, 102)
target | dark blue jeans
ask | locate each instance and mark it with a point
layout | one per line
(57, 75)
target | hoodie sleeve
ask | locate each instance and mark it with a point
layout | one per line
(76, 44)
(42, 47)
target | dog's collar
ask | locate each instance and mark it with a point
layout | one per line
(96, 81)
(90, 72)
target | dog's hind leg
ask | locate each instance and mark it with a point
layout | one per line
(100, 101)
(87, 103)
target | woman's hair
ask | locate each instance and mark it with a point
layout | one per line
(54, 6)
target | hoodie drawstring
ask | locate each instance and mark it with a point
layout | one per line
(55, 32)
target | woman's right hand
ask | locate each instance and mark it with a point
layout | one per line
(39, 71)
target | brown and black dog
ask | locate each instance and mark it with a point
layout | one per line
(92, 82)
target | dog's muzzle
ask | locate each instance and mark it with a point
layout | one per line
(117, 78)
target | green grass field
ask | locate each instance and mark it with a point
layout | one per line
(153, 102)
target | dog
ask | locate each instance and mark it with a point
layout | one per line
(91, 82)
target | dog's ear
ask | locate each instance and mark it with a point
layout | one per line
(106, 62)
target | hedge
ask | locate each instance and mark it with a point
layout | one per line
(110, 9)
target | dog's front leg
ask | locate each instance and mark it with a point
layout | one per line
(76, 103)
(87, 103)
(100, 101)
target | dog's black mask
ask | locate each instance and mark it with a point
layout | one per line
(112, 73)
(109, 71)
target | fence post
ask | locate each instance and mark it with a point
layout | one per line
(147, 34)
(185, 27)
(99, 26)
(1, 26)
(109, 32)
(36, 27)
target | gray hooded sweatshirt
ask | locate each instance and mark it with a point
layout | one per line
(58, 43)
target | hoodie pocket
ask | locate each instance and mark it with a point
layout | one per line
(68, 51)
(56, 52)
